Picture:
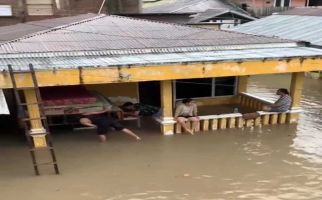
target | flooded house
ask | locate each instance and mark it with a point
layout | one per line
(107, 60)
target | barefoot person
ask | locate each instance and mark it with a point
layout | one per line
(103, 122)
(283, 104)
(187, 111)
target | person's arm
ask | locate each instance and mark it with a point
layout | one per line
(130, 133)
(195, 110)
(86, 122)
(177, 111)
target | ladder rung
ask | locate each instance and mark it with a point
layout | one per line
(46, 163)
(41, 149)
(27, 104)
(26, 88)
(32, 119)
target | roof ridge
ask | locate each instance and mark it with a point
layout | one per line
(52, 29)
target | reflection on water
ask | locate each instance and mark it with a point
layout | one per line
(272, 163)
(308, 141)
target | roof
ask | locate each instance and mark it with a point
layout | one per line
(188, 6)
(306, 11)
(19, 30)
(76, 61)
(120, 41)
(292, 27)
(220, 12)
(122, 35)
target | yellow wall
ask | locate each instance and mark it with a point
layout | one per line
(117, 92)
(216, 101)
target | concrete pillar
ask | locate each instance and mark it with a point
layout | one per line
(296, 92)
(167, 127)
(37, 131)
(242, 83)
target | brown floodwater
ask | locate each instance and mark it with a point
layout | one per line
(272, 163)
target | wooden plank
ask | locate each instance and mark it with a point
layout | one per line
(213, 124)
(249, 122)
(232, 122)
(205, 125)
(240, 122)
(257, 121)
(265, 119)
(273, 118)
(282, 118)
(222, 123)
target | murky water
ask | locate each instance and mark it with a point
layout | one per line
(274, 163)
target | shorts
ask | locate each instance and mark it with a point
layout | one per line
(186, 116)
(103, 124)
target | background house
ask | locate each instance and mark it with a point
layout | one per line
(301, 24)
(214, 14)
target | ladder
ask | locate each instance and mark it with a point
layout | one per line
(22, 106)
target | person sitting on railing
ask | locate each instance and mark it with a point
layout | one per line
(187, 111)
(283, 104)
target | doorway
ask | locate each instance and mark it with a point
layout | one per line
(149, 93)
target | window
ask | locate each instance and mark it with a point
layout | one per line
(40, 7)
(282, 3)
(5, 11)
(204, 87)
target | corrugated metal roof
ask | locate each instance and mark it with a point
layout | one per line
(12, 32)
(190, 6)
(306, 11)
(123, 34)
(292, 27)
(55, 61)
(213, 13)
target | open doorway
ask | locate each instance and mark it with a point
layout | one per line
(149, 93)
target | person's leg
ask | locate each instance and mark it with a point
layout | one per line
(120, 127)
(102, 138)
(195, 123)
(182, 121)
(130, 133)
(267, 108)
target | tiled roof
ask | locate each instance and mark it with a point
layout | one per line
(292, 27)
(121, 34)
(12, 32)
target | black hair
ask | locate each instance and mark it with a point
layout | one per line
(283, 90)
(187, 100)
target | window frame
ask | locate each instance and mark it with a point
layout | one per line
(213, 90)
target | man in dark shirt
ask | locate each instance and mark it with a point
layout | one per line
(103, 122)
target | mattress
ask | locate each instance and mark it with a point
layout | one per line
(68, 95)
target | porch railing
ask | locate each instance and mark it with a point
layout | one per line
(235, 120)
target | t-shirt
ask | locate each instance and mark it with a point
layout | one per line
(283, 103)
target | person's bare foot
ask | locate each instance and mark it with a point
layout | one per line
(138, 138)
(190, 132)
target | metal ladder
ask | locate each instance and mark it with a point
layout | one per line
(33, 148)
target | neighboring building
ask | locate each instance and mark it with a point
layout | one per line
(17, 11)
(215, 14)
(260, 8)
(300, 24)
